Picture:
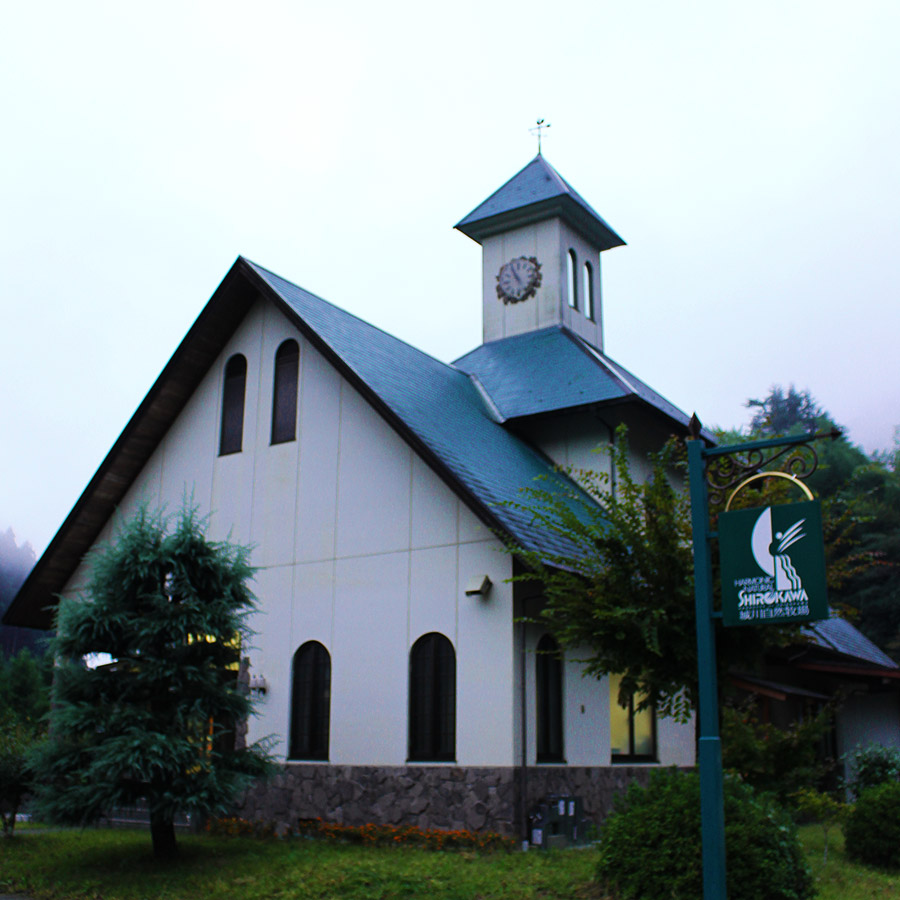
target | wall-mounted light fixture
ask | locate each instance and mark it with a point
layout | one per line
(258, 686)
(478, 586)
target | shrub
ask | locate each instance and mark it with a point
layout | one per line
(872, 765)
(770, 759)
(821, 807)
(650, 845)
(872, 832)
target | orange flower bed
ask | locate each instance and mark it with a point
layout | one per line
(370, 835)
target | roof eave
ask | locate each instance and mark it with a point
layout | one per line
(625, 400)
(590, 227)
(33, 604)
(861, 670)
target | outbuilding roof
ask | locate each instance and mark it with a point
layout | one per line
(840, 636)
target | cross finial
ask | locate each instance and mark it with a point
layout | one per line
(539, 127)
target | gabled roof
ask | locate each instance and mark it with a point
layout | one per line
(553, 370)
(535, 193)
(437, 408)
(840, 636)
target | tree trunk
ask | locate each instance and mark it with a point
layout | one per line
(162, 831)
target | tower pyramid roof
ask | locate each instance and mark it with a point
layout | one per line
(535, 193)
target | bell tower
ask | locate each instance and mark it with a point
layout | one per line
(541, 245)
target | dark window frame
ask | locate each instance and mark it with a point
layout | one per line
(310, 723)
(284, 392)
(630, 756)
(572, 277)
(589, 305)
(549, 702)
(432, 700)
(234, 387)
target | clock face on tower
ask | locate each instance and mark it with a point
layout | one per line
(518, 279)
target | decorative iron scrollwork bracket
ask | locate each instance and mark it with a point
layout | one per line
(797, 456)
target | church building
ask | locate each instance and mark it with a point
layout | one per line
(374, 484)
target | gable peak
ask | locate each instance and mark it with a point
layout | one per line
(535, 193)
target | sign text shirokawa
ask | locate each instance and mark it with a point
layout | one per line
(773, 564)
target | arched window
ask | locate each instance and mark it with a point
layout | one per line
(588, 292)
(232, 432)
(632, 731)
(310, 702)
(572, 272)
(284, 393)
(432, 699)
(549, 676)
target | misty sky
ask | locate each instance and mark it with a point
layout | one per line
(749, 154)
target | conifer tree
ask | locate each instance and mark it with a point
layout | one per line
(157, 723)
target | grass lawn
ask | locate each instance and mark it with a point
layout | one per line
(841, 879)
(117, 865)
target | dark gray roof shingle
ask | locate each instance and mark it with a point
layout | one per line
(842, 637)
(553, 370)
(534, 193)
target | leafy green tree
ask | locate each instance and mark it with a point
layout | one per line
(861, 511)
(784, 412)
(774, 760)
(621, 593)
(24, 703)
(25, 687)
(157, 723)
(872, 592)
(17, 741)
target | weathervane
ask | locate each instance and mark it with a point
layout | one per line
(539, 127)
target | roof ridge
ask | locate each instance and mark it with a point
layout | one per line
(493, 409)
(344, 312)
(498, 190)
(601, 358)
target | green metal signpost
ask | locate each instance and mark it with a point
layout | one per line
(709, 744)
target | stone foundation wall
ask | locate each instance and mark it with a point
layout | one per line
(448, 797)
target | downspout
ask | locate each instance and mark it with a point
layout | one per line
(523, 765)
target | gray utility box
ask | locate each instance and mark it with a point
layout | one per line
(558, 821)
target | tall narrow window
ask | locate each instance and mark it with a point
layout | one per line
(310, 702)
(549, 675)
(432, 699)
(284, 392)
(632, 731)
(588, 292)
(572, 273)
(232, 432)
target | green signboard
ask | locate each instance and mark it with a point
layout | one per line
(773, 564)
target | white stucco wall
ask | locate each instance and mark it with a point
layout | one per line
(359, 546)
(586, 716)
(581, 440)
(867, 719)
(549, 242)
